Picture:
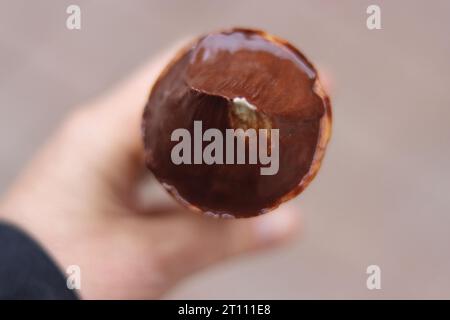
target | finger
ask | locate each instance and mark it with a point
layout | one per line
(236, 236)
(107, 130)
(326, 79)
(213, 240)
(122, 107)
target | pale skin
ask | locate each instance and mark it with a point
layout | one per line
(79, 198)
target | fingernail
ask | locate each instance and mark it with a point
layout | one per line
(273, 227)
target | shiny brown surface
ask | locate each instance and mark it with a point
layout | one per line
(200, 84)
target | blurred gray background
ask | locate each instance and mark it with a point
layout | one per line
(382, 196)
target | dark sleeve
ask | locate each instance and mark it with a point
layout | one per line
(26, 271)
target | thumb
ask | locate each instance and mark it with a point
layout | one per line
(217, 239)
(261, 232)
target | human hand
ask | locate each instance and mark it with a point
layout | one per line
(84, 198)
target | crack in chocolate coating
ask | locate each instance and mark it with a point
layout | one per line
(201, 83)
